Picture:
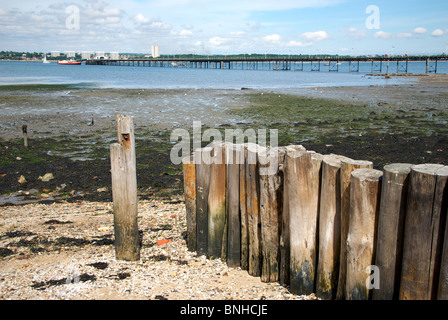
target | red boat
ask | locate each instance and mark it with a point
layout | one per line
(69, 62)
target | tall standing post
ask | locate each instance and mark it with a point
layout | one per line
(25, 135)
(124, 191)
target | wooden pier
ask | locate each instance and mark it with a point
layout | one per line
(350, 64)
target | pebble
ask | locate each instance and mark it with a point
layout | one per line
(76, 260)
(47, 177)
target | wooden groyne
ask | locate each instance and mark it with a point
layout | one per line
(323, 224)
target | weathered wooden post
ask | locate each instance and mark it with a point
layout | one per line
(329, 227)
(25, 135)
(189, 174)
(347, 167)
(217, 201)
(303, 178)
(243, 211)
(233, 160)
(253, 210)
(389, 249)
(124, 191)
(285, 248)
(442, 293)
(364, 207)
(424, 225)
(203, 166)
(271, 205)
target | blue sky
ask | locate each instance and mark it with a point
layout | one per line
(226, 26)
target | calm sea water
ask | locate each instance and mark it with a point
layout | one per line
(12, 72)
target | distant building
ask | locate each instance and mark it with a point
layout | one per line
(70, 54)
(114, 56)
(86, 55)
(100, 55)
(155, 51)
(55, 54)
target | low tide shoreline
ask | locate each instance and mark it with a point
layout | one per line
(55, 229)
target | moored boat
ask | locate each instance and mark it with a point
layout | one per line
(69, 62)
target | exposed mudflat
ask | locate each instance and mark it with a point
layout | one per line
(56, 229)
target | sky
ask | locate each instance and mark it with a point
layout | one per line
(344, 27)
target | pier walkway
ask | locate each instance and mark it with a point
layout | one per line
(352, 64)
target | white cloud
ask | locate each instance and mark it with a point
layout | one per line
(218, 41)
(388, 35)
(247, 6)
(97, 10)
(159, 25)
(294, 43)
(382, 35)
(185, 33)
(437, 33)
(420, 30)
(237, 33)
(272, 38)
(356, 33)
(315, 36)
(140, 18)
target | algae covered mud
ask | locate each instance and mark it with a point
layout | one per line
(70, 129)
